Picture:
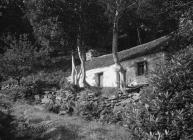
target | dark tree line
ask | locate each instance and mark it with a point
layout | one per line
(69, 28)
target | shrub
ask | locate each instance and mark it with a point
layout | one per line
(8, 84)
(91, 104)
(87, 104)
(33, 87)
(108, 91)
(15, 93)
(61, 100)
(166, 110)
(27, 91)
(19, 58)
(51, 79)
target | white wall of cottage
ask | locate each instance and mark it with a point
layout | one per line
(110, 76)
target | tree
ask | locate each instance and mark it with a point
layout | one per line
(65, 24)
(78, 7)
(115, 10)
(166, 15)
(53, 25)
(19, 58)
(87, 26)
(12, 18)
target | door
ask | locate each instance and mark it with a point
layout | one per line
(100, 79)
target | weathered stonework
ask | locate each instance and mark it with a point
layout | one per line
(110, 76)
(153, 60)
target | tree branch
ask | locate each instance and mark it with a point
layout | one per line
(123, 9)
(176, 6)
(131, 5)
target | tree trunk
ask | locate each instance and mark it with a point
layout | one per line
(74, 71)
(82, 73)
(139, 36)
(118, 67)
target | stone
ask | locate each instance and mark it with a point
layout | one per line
(45, 100)
(113, 97)
(37, 97)
(62, 113)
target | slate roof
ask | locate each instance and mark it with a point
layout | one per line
(144, 49)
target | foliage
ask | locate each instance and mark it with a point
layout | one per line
(186, 29)
(165, 111)
(51, 79)
(116, 5)
(88, 103)
(13, 19)
(19, 58)
(33, 122)
(86, 107)
(61, 100)
(53, 23)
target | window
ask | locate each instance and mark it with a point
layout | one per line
(100, 79)
(141, 68)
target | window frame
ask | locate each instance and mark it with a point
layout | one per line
(140, 65)
(99, 75)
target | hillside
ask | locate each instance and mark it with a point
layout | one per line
(23, 121)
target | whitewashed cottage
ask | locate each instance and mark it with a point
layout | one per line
(138, 63)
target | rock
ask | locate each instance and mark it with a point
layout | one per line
(58, 98)
(136, 96)
(37, 97)
(105, 97)
(126, 101)
(125, 125)
(46, 92)
(113, 97)
(40, 108)
(95, 99)
(62, 113)
(118, 104)
(46, 100)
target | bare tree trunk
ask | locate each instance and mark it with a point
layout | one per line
(139, 36)
(74, 71)
(82, 72)
(118, 67)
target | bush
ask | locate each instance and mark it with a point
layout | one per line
(87, 104)
(28, 91)
(15, 93)
(109, 91)
(19, 58)
(33, 87)
(61, 100)
(51, 79)
(166, 110)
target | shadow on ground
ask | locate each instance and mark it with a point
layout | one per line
(8, 131)
(6, 127)
(60, 133)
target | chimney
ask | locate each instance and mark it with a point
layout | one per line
(90, 54)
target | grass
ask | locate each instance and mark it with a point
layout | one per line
(34, 123)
